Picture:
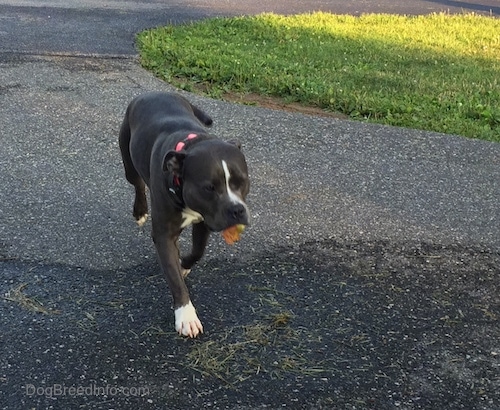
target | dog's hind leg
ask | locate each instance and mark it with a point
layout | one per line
(140, 210)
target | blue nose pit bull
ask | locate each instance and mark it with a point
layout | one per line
(193, 178)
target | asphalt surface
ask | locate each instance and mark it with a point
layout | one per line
(369, 278)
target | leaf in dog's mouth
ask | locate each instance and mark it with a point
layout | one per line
(232, 234)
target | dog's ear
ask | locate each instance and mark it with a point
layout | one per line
(173, 161)
(235, 142)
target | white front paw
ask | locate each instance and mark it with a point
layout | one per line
(187, 322)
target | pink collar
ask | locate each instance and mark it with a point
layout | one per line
(180, 145)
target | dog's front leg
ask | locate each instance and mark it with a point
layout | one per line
(200, 238)
(186, 319)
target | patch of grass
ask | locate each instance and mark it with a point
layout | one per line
(246, 351)
(438, 72)
(272, 347)
(32, 304)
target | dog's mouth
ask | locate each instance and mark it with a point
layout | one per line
(213, 226)
(226, 217)
(224, 227)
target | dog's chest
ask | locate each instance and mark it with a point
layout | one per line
(190, 217)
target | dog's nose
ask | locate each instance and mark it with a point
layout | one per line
(238, 214)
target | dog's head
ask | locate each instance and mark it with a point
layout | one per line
(215, 181)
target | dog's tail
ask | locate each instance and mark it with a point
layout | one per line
(202, 116)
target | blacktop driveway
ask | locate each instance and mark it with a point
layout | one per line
(369, 279)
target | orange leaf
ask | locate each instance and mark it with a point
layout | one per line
(232, 234)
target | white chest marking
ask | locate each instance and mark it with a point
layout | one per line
(190, 217)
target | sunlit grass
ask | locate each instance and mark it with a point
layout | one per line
(439, 72)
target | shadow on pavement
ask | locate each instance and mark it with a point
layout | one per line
(380, 324)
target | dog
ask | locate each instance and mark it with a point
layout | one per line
(193, 178)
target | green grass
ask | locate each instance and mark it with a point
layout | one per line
(438, 72)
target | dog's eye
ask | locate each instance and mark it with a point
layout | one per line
(210, 187)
